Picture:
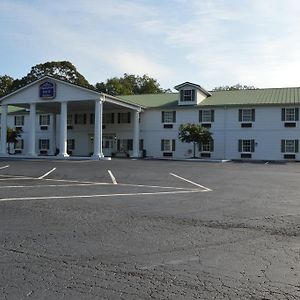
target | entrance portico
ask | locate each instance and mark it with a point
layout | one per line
(58, 99)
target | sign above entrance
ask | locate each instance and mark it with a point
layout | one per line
(48, 90)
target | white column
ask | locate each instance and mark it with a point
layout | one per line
(53, 134)
(136, 134)
(63, 131)
(98, 153)
(32, 121)
(4, 130)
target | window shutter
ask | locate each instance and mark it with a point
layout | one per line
(73, 144)
(212, 115)
(240, 115)
(76, 118)
(174, 116)
(212, 146)
(296, 114)
(200, 147)
(84, 118)
(282, 146)
(253, 115)
(296, 146)
(162, 145)
(130, 145)
(15, 120)
(128, 117)
(141, 145)
(162, 116)
(240, 145)
(252, 145)
(22, 144)
(23, 120)
(48, 119)
(112, 118)
(193, 95)
(40, 144)
(118, 145)
(181, 95)
(40, 120)
(200, 116)
(283, 114)
(173, 145)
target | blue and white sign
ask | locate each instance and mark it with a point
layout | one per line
(48, 90)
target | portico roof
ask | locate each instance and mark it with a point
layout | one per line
(66, 91)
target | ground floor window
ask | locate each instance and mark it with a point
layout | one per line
(124, 145)
(207, 147)
(289, 146)
(246, 146)
(44, 144)
(19, 144)
(168, 145)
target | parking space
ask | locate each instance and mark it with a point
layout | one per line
(131, 229)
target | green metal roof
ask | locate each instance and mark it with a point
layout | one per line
(270, 96)
(12, 109)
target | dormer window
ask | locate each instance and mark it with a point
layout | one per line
(187, 95)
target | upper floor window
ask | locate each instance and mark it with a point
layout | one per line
(19, 120)
(187, 95)
(124, 117)
(80, 119)
(44, 120)
(290, 114)
(206, 116)
(168, 116)
(109, 118)
(246, 115)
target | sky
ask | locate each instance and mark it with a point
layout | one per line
(208, 42)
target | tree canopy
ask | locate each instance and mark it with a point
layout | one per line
(63, 70)
(194, 133)
(6, 84)
(130, 85)
(235, 87)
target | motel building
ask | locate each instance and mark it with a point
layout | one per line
(63, 120)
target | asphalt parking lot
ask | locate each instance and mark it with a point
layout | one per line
(131, 229)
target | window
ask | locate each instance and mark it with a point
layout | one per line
(70, 144)
(289, 146)
(80, 119)
(69, 120)
(168, 116)
(92, 118)
(168, 145)
(246, 115)
(246, 146)
(124, 117)
(207, 147)
(108, 118)
(187, 95)
(19, 120)
(124, 145)
(44, 144)
(44, 120)
(206, 115)
(290, 114)
(19, 145)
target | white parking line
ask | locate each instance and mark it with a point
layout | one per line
(194, 183)
(4, 167)
(100, 195)
(46, 174)
(113, 179)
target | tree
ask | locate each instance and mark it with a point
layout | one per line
(235, 87)
(63, 70)
(12, 136)
(6, 83)
(194, 133)
(130, 85)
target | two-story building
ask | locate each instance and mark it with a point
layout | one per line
(55, 117)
